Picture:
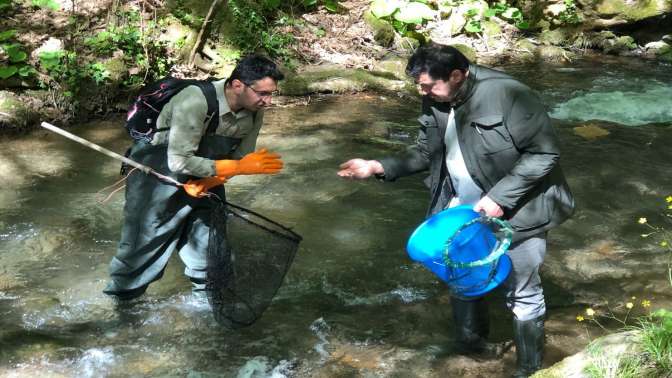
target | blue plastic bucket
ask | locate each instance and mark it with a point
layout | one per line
(461, 250)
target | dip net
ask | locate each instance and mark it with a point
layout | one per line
(248, 257)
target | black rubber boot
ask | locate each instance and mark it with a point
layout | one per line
(472, 326)
(528, 335)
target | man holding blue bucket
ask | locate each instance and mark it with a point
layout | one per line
(486, 141)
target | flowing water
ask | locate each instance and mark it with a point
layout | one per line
(352, 304)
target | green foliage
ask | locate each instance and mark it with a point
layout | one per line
(254, 30)
(570, 14)
(62, 67)
(4, 4)
(141, 48)
(7, 34)
(657, 340)
(404, 15)
(183, 13)
(500, 9)
(98, 72)
(330, 5)
(13, 58)
(46, 4)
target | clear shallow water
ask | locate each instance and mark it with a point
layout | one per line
(352, 304)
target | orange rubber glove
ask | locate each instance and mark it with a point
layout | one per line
(198, 188)
(261, 162)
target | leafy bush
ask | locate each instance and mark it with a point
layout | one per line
(569, 15)
(257, 23)
(4, 4)
(46, 4)
(500, 9)
(403, 15)
(141, 48)
(12, 57)
(62, 67)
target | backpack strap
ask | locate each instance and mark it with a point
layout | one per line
(210, 94)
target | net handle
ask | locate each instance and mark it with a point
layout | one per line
(493, 256)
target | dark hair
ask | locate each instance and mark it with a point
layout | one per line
(255, 67)
(436, 60)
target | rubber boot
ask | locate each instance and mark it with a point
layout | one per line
(472, 325)
(528, 335)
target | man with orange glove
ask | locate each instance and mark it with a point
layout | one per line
(159, 217)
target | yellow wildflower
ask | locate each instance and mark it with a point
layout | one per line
(629, 305)
(668, 199)
(669, 207)
(633, 298)
(663, 244)
(646, 303)
(590, 312)
(642, 220)
(579, 318)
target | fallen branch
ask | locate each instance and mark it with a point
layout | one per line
(199, 38)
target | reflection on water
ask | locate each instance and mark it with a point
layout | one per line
(353, 304)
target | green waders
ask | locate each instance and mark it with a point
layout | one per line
(160, 218)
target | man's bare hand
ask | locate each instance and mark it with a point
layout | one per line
(489, 207)
(360, 169)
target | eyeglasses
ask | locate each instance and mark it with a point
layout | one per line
(426, 87)
(262, 94)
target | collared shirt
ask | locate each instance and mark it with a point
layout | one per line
(466, 190)
(185, 116)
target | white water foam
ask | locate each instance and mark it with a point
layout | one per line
(321, 329)
(260, 367)
(652, 105)
(404, 294)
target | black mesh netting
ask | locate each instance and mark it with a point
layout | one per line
(248, 257)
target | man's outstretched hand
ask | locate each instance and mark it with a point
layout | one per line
(360, 169)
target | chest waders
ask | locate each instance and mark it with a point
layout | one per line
(160, 218)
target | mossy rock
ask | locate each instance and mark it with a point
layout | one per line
(618, 45)
(116, 68)
(555, 37)
(467, 51)
(15, 115)
(180, 38)
(632, 10)
(223, 58)
(406, 44)
(192, 11)
(333, 79)
(525, 51)
(554, 54)
(658, 48)
(607, 348)
(383, 32)
(395, 66)
(666, 57)
(491, 28)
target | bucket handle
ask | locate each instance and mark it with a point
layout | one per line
(501, 249)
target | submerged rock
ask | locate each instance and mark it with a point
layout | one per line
(590, 131)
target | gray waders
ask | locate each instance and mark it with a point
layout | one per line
(160, 218)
